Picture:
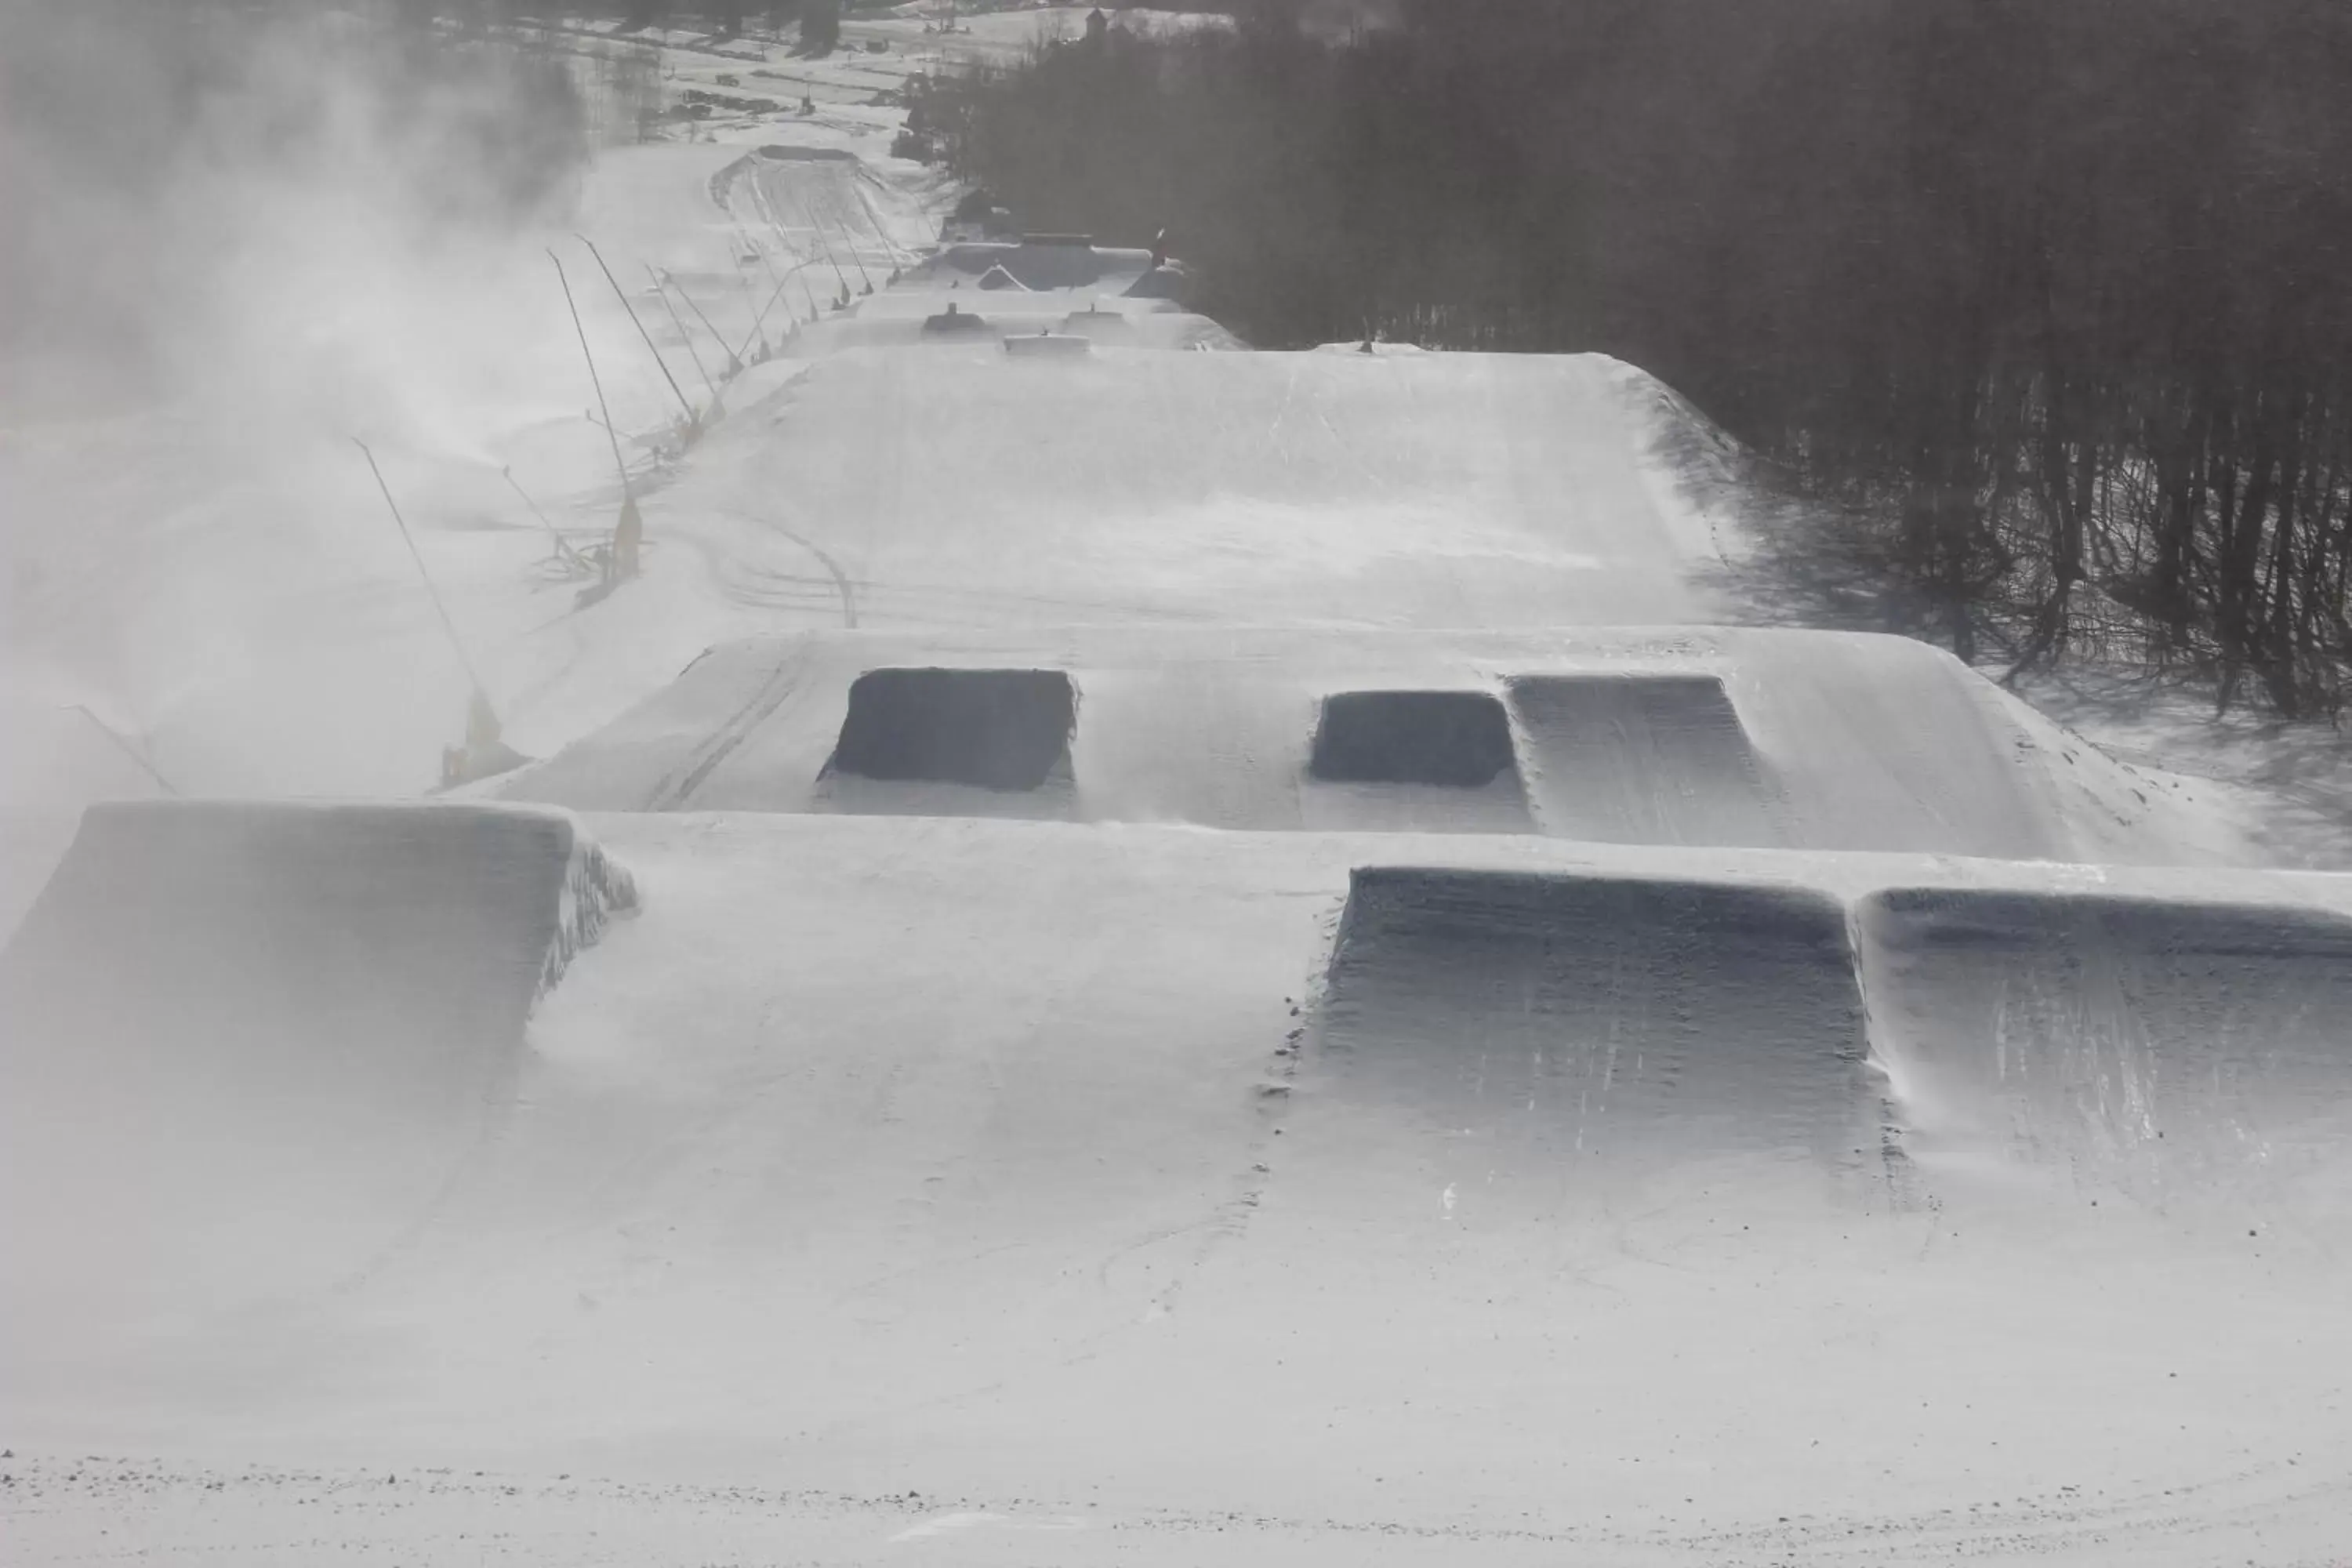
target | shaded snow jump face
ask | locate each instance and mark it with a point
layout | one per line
(953, 323)
(1757, 740)
(1458, 739)
(1559, 1040)
(1643, 759)
(253, 1038)
(1001, 730)
(1413, 761)
(1047, 344)
(2196, 1058)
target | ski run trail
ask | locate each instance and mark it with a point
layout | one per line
(1124, 950)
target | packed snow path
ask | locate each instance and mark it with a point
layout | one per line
(1152, 1175)
(967, 487)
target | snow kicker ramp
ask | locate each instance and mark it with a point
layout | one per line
(825, 206)
(1110, 1200)
(1653, 759)
(2026, 1039)
(1689, 736)
(2198, 1057)
(868, 325)
(1528, 1044)
(1038, 265)
(248, 1042)
(992, 742)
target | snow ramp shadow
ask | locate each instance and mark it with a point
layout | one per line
(1559, 1031)
(1458, 739)
(2196, 1057)
(1643, 759)
(1002, 731)
(1048, 345)
(955, 323)
(218, 1018)
(1043, 262)
(1413, 760)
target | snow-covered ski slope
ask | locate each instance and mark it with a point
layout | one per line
(1334, 489)
(1145, 955)
(1527, 1194)
(1686, 736)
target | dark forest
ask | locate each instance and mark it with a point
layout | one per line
(2043, 307)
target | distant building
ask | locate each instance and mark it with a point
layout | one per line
(1098, 26)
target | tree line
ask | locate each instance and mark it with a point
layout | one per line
(2049, 301)
(816, 22)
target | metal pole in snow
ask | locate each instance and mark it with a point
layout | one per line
(824, 246)
(889, 244)
(760, 319)
(675, 320)
(758, 315)
(757, 249)
(849, 244)
(593, 380)
(562, 546)
(816, 312)
(133, 753)
(682, 400)
(431, 592)
(672, 280)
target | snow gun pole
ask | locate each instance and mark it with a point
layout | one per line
(825, 249)
(627, 531)
(758, 315)
(817, 311)
(756, 312)
(683, 402)
(757, 248)
(897, 252)
(759, 311)
(758, 321)
(767, 261)
(456, 643)
(133, 753)
(760, 318)
(562, 546)
(824, 246)
(691, 352)
(736, 359)
(849, 244)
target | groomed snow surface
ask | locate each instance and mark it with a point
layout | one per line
(1120, 954)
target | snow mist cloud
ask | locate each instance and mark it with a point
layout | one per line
(237, 236)
(189, 179)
